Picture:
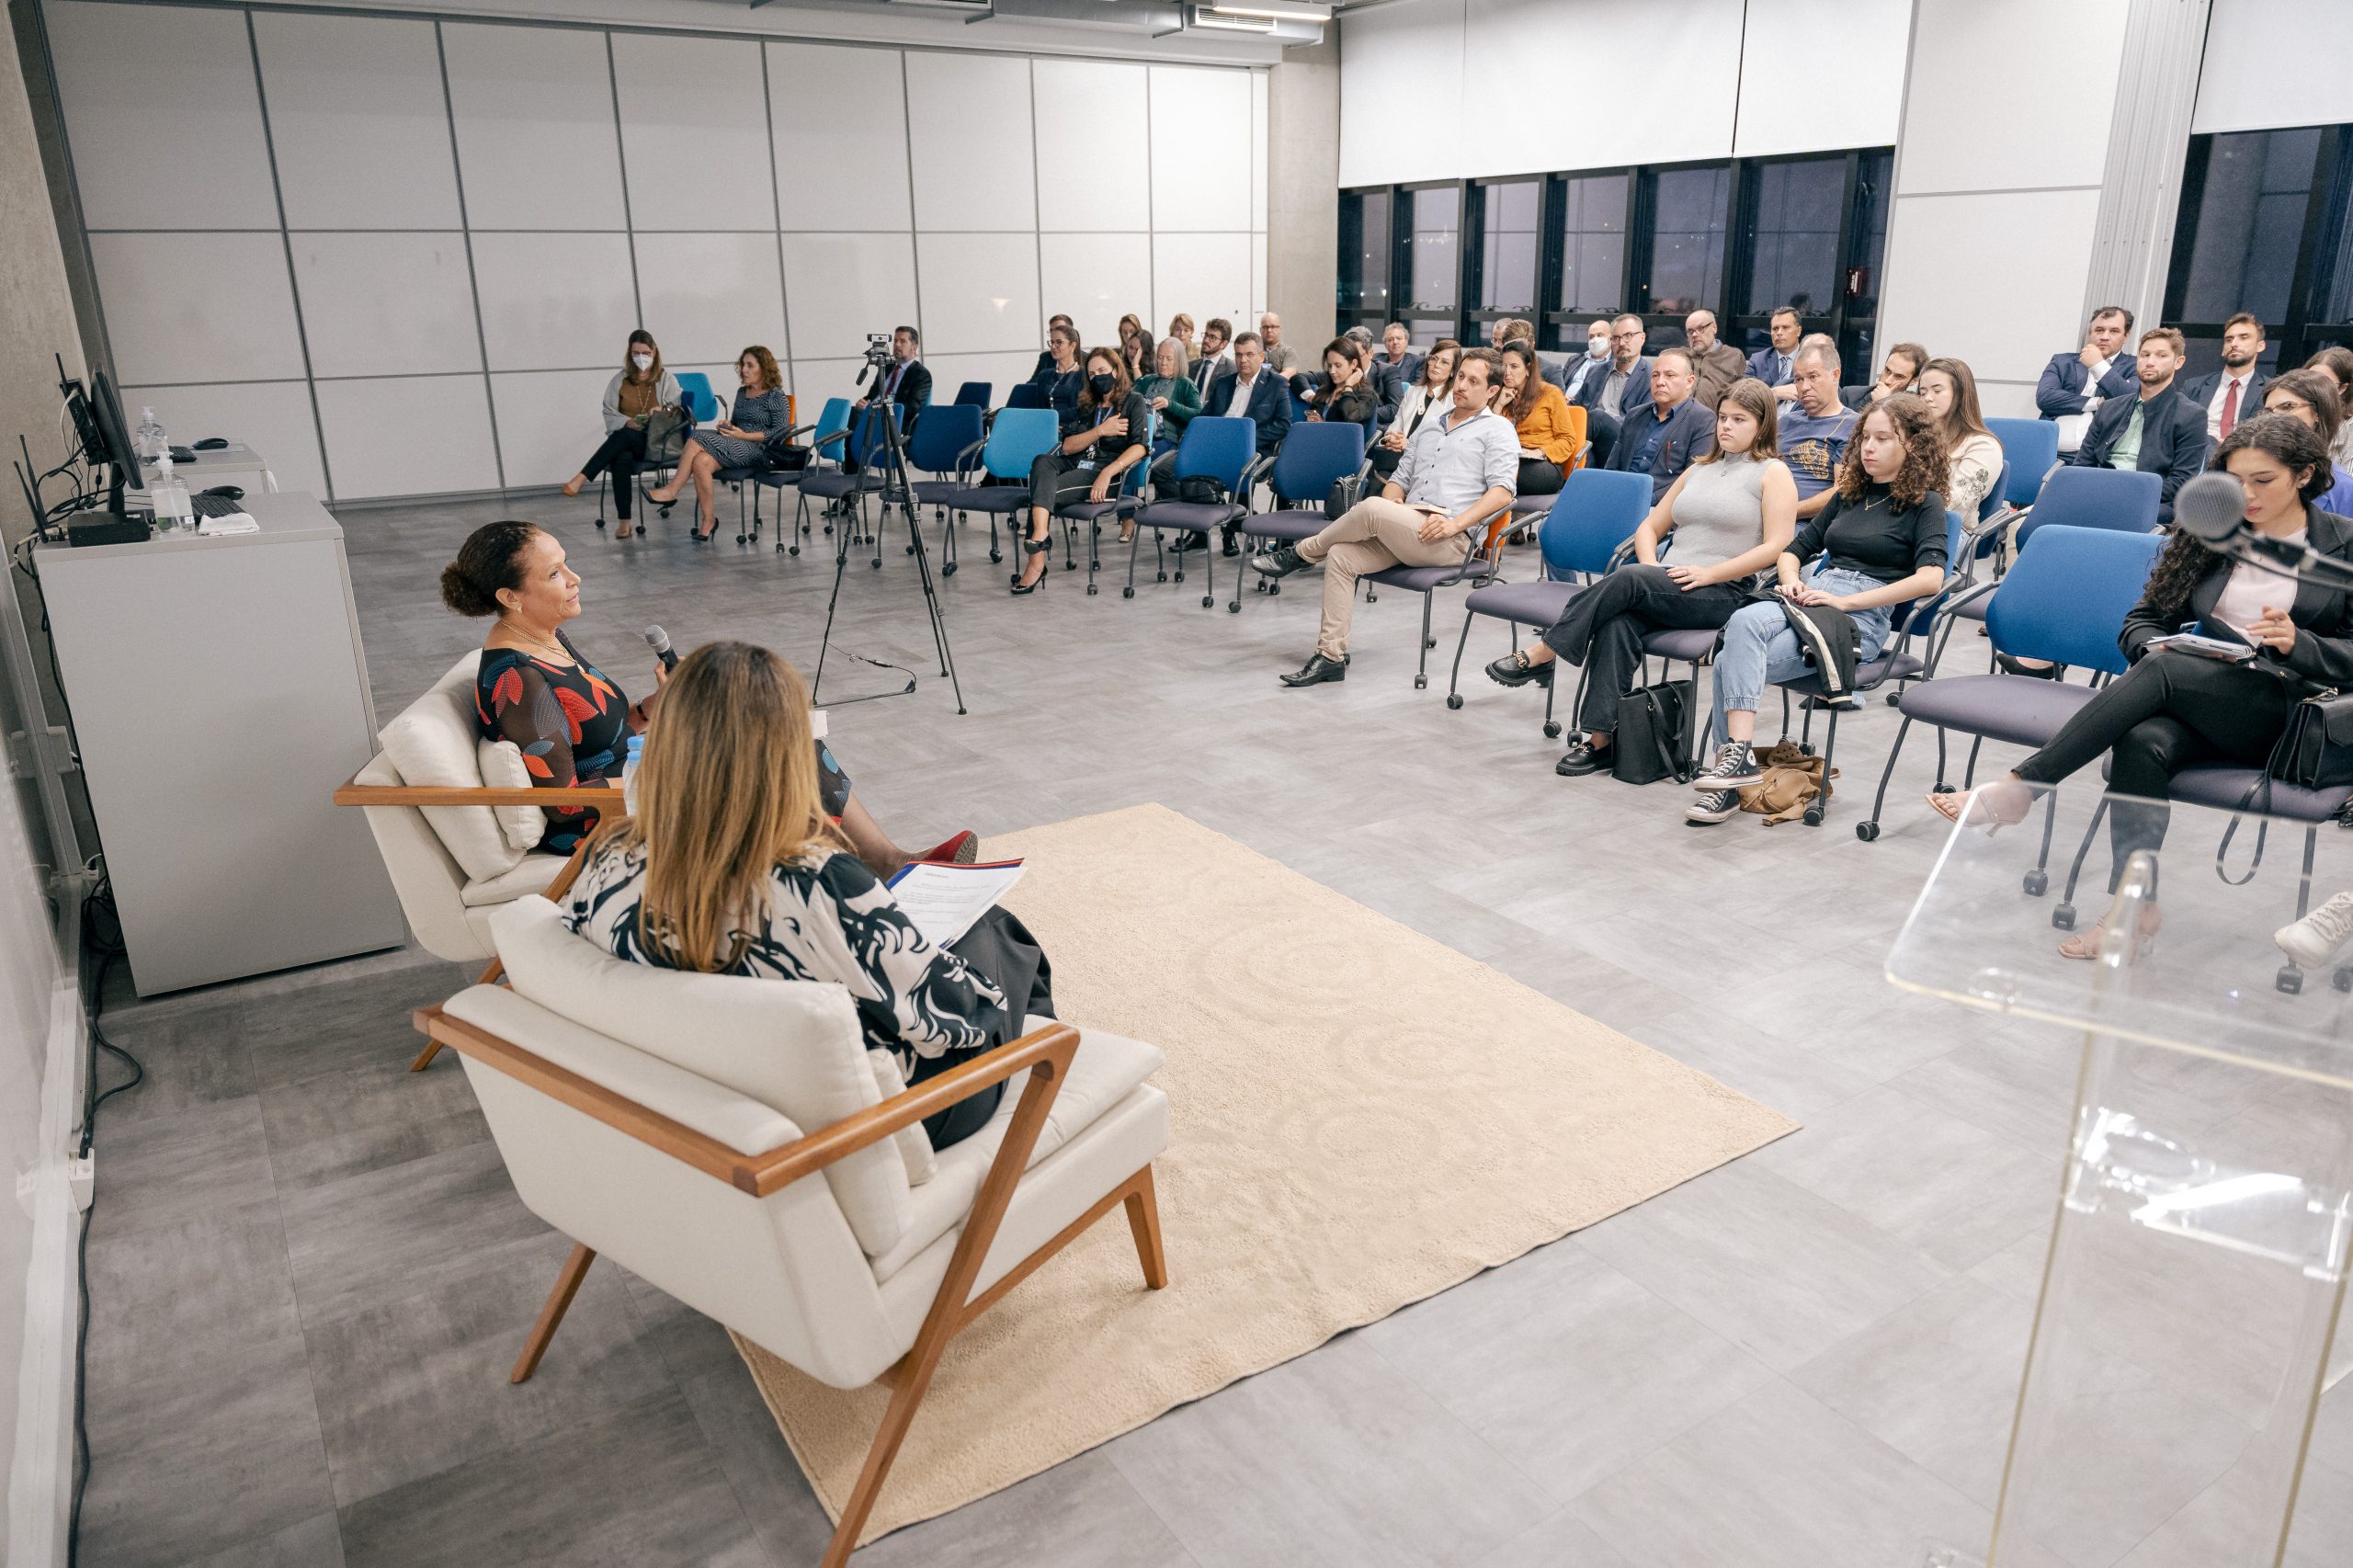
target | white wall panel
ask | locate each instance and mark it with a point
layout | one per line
(841, 137)
(1258, 150)
(534, 111)
(1090, 127)
(842, 287)
(1396, 63)
(1794, 47)
(548, 423)
(1962, 255)
(707, 295)
(968, 139)
(358, 121)
(198, 307)
(1001, 372)
(1257, 273)
(411, 436)
(272, 418)
(814, 380)
(2033, 51)
(1202, 275)
(979, 291)
(1615, 115)
(693, 114)
(555, 301)
(2244, 84)
(1094, 279)
(125, 73)
(386, 304)
(1201, 149)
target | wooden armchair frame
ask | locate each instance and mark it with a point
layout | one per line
(1047, 1052)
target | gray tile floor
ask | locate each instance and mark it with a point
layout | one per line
(308, 1273)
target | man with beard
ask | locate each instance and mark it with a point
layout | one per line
(2159, 432)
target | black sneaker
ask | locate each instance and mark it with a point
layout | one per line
(1583, 757)
(1281, 563)
(1513, 669)
(1713, 807)
(1735, 769)
(1318, 670)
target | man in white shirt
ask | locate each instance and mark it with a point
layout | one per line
(2074, 385)
(1458, 470)
(2234, 392)
(1594, 363)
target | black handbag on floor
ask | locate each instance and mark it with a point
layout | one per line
(1653, 738)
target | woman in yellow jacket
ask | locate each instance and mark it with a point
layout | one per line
(1550, 432)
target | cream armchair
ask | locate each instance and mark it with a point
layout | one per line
(725, 1138)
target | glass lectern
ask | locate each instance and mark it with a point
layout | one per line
(2187, 1329)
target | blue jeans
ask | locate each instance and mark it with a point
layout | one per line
(1759, 650)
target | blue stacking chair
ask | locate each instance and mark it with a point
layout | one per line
(1223, 449)
(1092, 513)
(1017, 437)
(863, 449)
(2031, 447)
(2123, 499)
(975, 393)
(1582, 534)
(1026, 394)
(1312, 459)
(2065, 601)
(826, 435)
(947, 444)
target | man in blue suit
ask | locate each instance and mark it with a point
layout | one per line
(1621, 391)
(2159, 432)
(1248, 391)
(1778, 367)
(2234, 392)
(2079, 382)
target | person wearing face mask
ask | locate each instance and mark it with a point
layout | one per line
(1596, 361)
(1107, 433)
(639, 388)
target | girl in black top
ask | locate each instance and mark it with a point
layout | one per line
(1106, 434)
(2171, 710)
(1344, 395)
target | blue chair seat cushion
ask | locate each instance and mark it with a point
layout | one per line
(831, 485)
(2018, 710)
(990, 498)
(1529, 604)
(1087, 511)
(1682, 644)
(2225, 787)
(938, 492)
(1194, 517)
(1289, 525)
(1971, 610)
(1422, 579)
(737, 476)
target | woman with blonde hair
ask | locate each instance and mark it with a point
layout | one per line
(740, 441)
(730, 867)
(1180, 327)
(640, 389)
(1950, 389)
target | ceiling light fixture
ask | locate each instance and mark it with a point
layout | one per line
(1210, 22)
(1273, 10)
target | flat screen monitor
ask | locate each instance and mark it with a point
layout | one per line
(105, 410)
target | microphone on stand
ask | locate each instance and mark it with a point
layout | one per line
(659, 640)
(2211, 508)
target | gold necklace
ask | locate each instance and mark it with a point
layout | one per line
(549, 643)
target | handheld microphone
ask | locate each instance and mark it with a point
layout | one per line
(659, 640)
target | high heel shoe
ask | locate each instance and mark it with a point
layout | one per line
(1037, 547)
(2085, 945)
(1995, 811)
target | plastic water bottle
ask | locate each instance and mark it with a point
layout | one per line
(150, 442)
(174, 511)
(629, 773)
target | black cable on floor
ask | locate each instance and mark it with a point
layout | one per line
(101, 938)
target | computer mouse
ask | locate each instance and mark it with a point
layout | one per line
(227, 492)
(213, 444)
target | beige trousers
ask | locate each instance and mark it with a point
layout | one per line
(1371, 536)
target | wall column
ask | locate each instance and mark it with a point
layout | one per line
(1303, 190)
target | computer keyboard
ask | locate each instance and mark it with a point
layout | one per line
(215, 506)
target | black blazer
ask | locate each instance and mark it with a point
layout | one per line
(1269, 405)
(2173, 440)
(915, 391)
(2200, 390)
(2322, 655)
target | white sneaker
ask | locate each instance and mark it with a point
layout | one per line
(2319, 936)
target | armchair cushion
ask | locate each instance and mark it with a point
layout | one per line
(531, 874)
(432, 743)
(793, 1046)
(915, 1148)
(502, 769)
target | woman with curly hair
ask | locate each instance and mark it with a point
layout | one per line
(761, 408)
(1879, 542)
(2174, 710)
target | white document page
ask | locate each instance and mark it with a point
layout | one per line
(944, 901)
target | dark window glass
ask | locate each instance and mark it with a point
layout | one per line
(1794, 244)
(2249, 223)
(1507, 246)
(1687, 238)
(1364, 252)
(1874, 180)
(1437, 231)
(1593, 243)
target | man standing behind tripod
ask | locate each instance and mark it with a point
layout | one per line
(906, 382)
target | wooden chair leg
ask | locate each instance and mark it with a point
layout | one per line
(1143, 1221)
(567, 1285)
(425, 1058)
(910, 1379)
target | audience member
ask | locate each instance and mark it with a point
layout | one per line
(2311, 397)
(1776, 366)
(1512, 329)
(1277, 353)
(637, 389)
(907, 382)
(2173, 709)
(729, 866)
(1457, 473)
(1589, 367)
(1428, 398)
(1716, 364)
(1397, 352)
(1345, 393)
(1900, 373)
(1817, 426)
(1611, 398)
(2159, 432)
(1058, 379)
(1971, 453)
(1249, 391)
(1660, 437)
(1548, 434)
(1046, 355)
(1169, 393)
(1103, 435)
(1732, 514)
(2231, 393)
(1137, 349)
(2337, 360)
(1879, 542)
(2074, 385)
(1217, 353)
(761, 409)
(1180, 327)
(1383, 378)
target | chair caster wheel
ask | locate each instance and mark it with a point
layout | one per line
(1208, 601)
(665, 511)
(1233, 608)
(1813, 816)
(1805, 748)
(600, 525)
(1551, 730)
(876, 564)
(948, 570)
(1273, 589)
(742, 539)
(2064, 917)
(794, 550)
(1092, 588)
(997, 555)
(1453, 701)
(2290, 979)
(2342, 980)
(1428, 642)
(1127, 593)
(911, 550)
(2035, 883)
(1866, 831)
(1421, 683)
(1940, 790)
(1891, 697)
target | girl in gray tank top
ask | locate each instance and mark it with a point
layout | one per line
(1720, 511)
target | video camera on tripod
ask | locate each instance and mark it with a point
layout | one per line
(878, 355)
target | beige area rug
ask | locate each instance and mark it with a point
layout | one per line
(1360, 1116)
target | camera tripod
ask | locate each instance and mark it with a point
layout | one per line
(897, 491)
